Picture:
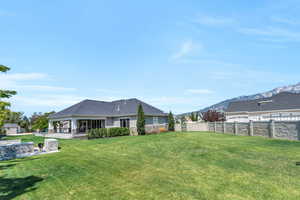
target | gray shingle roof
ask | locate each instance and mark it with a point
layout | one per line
(109, 109)
(281, 101)
(10, 125)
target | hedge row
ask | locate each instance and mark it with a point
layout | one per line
(108, 132)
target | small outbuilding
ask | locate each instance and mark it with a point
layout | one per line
(11, 128)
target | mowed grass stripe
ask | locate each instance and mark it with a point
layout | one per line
(168, 166)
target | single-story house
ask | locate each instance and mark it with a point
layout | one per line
(11, 128)
(91, 114)
(284, 106)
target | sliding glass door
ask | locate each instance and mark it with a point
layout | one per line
(86, 125)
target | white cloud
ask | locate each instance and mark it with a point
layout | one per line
(49, 101)
(274, 34)
(199, 91)
(251, 76)
(214, 21)
(186, 49)
(285, 21)
(12, 81)
(22, 76)
(45, 88)
(7, 13)
(16, 82)
(109, 91)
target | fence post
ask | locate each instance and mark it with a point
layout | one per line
(235, 128)
(251, 128)
(215, 127)
(224, 127)
(272, 128)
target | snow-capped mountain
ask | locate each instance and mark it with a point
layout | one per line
(224, 104)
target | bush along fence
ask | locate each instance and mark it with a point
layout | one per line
(108, 132)
(273, 129)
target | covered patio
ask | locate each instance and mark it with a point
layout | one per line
(74, 125)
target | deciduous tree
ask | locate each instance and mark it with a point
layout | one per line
(41, 122)
(4, 94)
(213, 116)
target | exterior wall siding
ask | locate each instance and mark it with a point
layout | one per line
(11, 130)
(264, 116)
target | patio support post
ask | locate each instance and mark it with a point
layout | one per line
(50, 126)
(74, 126)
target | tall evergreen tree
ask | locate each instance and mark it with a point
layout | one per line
(4, 111)
(196, 116)
(140, 123)
(171, 122)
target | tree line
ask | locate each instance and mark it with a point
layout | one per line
(37, 121)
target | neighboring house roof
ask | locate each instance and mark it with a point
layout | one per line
(108, 109)
(10, 125)
(281, 101)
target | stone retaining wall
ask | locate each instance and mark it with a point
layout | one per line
(19, 150)
(6, 142)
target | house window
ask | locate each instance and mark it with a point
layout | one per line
(155, 120)
(124, 123)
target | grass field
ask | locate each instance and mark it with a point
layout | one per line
(167, 166)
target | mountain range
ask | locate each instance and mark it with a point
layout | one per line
(222, 106)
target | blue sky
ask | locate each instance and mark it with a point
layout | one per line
(176, 55)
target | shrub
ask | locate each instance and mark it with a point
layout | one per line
(103, 132)
(97, 133)
(108, 132)
(113, 132)
(91, 133)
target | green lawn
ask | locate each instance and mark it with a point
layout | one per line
(167, 166)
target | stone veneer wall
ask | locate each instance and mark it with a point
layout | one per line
(195, 126)
(243, 129)
(287, 130)
(19, 150)
(230, 128)
(282, 129)
(261, 129)
(177, 127)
